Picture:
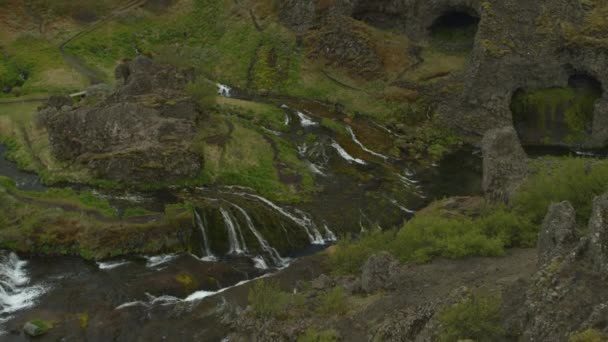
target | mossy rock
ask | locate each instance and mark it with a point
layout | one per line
(37, 327)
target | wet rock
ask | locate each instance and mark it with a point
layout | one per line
(504, 164)
(379, 273)
(598, 233)
(141, 133)
(557, 233)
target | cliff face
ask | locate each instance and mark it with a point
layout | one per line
(141, 133)
(519, 46)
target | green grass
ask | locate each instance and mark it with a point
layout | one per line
(333, 302)
(266, 115)
(313, 335)
(266, 299)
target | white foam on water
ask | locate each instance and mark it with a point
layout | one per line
(306, 121)
(354, 138)
(329, 235)
(224, 90)
(316, 169)
(345, 155)
(260, 263)
(109, 265)
(16, 292)
(287, 119)
(159, 260)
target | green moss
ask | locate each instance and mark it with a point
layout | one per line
(589, 335)
(541, 109)
(313, 335)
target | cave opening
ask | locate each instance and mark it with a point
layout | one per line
(556, 116)
(455, 30)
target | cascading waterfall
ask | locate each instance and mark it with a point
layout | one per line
(230, 225)
(224, 90)
(199, 222)
(345, 155)
(272, 253)
(306, 121)
(15, 292)
(304, 222)
(356, 141)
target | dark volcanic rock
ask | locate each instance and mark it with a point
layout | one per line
(598, 233)
(558, 231)
(140, 133)
(379, 272)
(504, 164)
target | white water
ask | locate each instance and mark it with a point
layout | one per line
(230, 225)
(345, 154)
(224, 90)
(16, 293)
(402, 208)
(109, 265)
(266, 247)
(305, 222)
(199, 222)
(306, 121)
(354, 137)
(287, 120)
(316, 169)
(329, 235)
(159, 260)
(260, 263)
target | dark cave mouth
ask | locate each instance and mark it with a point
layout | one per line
(455, 30)
(556, 116)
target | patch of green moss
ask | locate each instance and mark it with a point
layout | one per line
(542, 109)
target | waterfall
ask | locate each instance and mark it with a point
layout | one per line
(342, 152)
(272, 253)
(224, 90)
(15, 292)
(306, 120)
(329, 235)
(230, 225)
(200, 224)
(287, 119)
(354, 137)
(304, 222)
(260, 263)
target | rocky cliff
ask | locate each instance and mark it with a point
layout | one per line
(140, 133)
(519, 45)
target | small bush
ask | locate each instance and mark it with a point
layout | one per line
(476, 318)
(203, 93)
(589, 335)
(333, 302)
(312, 335)
(576, 180)
(266, 299)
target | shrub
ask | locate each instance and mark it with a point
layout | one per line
(589, 335)
(350, 254)
(576, 180)
(477, 318)
(203, 93)
(266, 299)
(333, 302)
(312, 335)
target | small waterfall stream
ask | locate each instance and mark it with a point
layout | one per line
(231, 225)
(16, 292)
(200, 224)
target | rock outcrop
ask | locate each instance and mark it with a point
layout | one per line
(379, 273)
(557, 233)
(568, 293)
(141, 133)
(504, 164)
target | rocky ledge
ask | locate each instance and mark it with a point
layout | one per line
(140, 133)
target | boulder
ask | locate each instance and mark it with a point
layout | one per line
(557, 233)
(379, 273)
(504, 164)
(140, 133)
(598, 233)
